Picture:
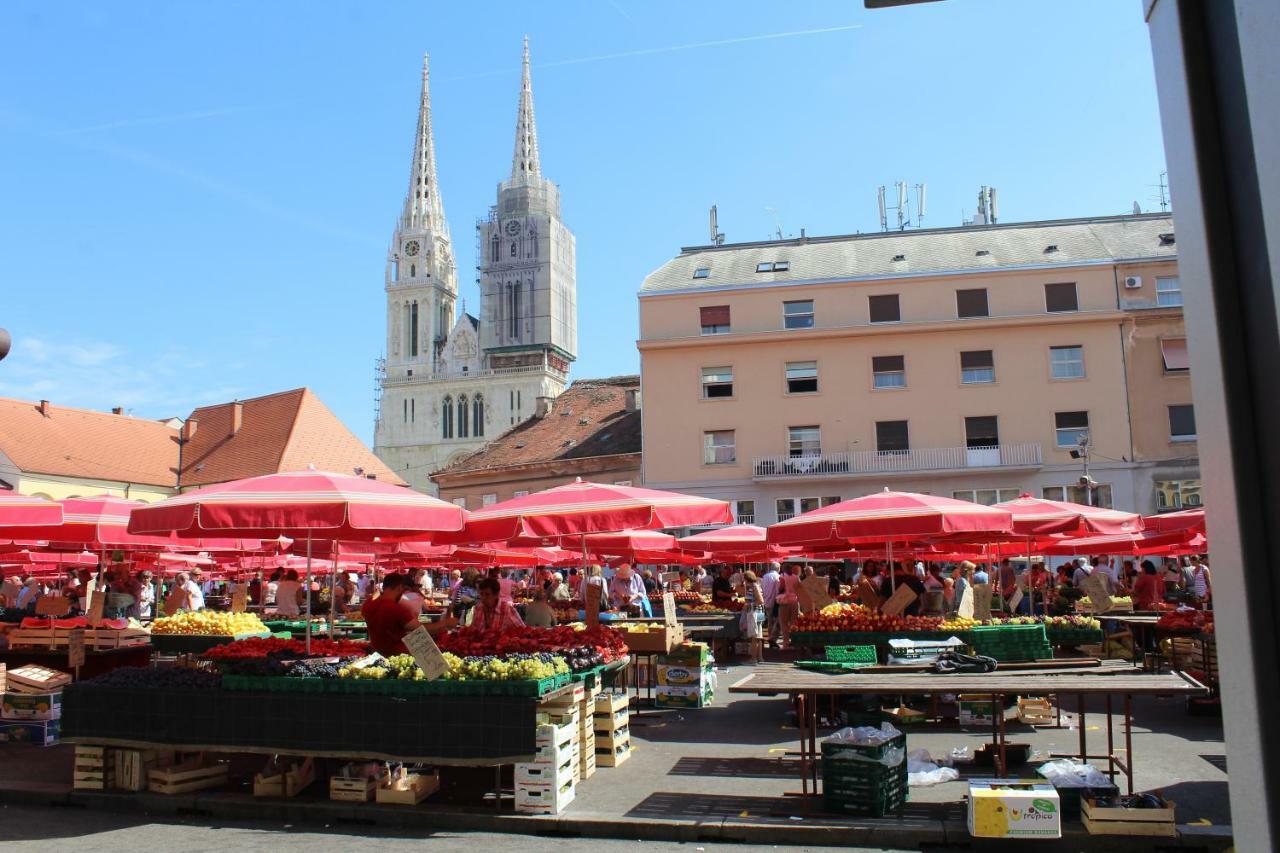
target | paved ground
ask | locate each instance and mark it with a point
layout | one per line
(713, 772)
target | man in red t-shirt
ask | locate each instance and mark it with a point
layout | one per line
(389, 619)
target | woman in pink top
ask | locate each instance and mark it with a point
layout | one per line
(788, 602)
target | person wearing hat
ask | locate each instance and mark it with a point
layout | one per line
(626, 591)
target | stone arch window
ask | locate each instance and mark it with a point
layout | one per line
(477, 416)
(462, 416)
(413, 329)
(494, 249)
(413, 270)
(447, 418)
(513, 248)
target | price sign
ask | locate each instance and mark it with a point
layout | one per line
(902, 596)
(982, 601)
(815, 589)
(669, 578)
(1096, 588)
(591, 596)
(239, 598)
(53, 605)
(669, 610)
(96, 605)
(75, 648)
(87, 597)
(965, 610)
(426, 653)
(1015, 600)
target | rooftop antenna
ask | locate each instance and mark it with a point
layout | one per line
(884, 219)
(992, 207)
(920, 208)
(903, 206)
(717, 237)
(1164, 192)
(777, 221)
(987, 212)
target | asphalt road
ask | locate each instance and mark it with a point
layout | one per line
(47, 829)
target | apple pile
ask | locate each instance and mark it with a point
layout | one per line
(853, 618)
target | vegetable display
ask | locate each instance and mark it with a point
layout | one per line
(156, 678)
(574, 643)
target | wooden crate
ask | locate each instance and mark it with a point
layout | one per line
(607, 703)
(621, 735)
(133, 766)
(195, 774)
(612, 756)
(94, 769)
(98, 639)
(279, 780)
(33, 678)
(1121, 821)
(1034, 711)
(4, 678)
(409, 789)
(352, 790)
(654, 641)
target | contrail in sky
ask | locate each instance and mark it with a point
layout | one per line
(652, 51)
(153, 120)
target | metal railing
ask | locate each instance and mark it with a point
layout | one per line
(419, 379)
(890, 461)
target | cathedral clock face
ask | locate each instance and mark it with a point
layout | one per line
(513, 227)
(411, 248)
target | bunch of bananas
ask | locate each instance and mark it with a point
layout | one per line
(209, 622)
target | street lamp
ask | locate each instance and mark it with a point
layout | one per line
(5, 343)
(1082, 453)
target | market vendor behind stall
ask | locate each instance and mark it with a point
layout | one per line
(389, 618)
(626, 592)
(493, 612)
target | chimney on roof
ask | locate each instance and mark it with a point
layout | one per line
(189, 427)
(117, 410)
(633, 400)
(44, 408)
(237, 417)
(543, 407)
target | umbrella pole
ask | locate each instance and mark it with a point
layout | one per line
(892, 583)
(308, 593)
(1031, 590)
(333, 577)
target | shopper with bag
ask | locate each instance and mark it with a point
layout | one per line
(752, 618)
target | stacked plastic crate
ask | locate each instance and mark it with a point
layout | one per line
(612, 729)
(865, 779)
(547, 784)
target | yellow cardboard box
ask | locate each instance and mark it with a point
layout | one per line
(1000, 808)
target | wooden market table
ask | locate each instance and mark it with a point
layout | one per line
(1109, 679)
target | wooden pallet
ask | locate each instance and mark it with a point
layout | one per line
(133, 766)
(93, 770)
(196, 774)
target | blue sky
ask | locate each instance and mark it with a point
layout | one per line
(196, 199)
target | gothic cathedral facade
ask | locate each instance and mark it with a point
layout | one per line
(450, 384)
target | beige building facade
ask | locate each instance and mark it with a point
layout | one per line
(977, 362)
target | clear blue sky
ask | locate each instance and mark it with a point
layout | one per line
(196, 199)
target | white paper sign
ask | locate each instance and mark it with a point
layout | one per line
(426, 653)
(75, 648)
(669, 610)
(669, 578)
(982, 601)
(1015, 600)
(1096, 588)
(965, 610)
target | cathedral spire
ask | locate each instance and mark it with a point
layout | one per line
(422, 206)
(525, 164)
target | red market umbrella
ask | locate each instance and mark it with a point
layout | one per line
(744, 543)
(888, 516)
(40, 558)
(1169, 522)
(626, 543)
(580, 508)
(1039, 517)
(25, 517)
(98, 523)
(1132, 544)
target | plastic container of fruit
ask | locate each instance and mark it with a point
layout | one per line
(191, 643)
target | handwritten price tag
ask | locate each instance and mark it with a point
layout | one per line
(669, 610)
(426, 653)
(75, 648)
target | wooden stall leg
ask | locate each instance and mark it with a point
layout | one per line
(814, 755)
(1128, 740)
(1080, 724)
(1111, 747)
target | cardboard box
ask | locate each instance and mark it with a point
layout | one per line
(681, 675)
(31, 706)
(654, 641)
(562, 735)
(976, 710)
(45, 733)
(1001, 808)
(682, 697)
(687, 654)
(537, 773)
(543, 798)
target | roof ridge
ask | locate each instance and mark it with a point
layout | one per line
(301, 389)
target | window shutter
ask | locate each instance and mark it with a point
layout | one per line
(715, 315)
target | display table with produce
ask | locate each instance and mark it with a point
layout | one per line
(190, 633)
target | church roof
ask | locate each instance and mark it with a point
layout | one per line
(286, 431)
(475, 321)
(64, 442)
(590, 418)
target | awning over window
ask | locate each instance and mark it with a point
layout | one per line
(1175, 354)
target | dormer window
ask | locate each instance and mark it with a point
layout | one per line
(982, 253)
(1167, 239)
(1051, 248)
(897, 258)
(702, 272)
(773, 266)
(767, 266)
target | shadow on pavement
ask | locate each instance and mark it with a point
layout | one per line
(756, 768)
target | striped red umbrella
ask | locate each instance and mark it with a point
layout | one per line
(99, 522)
(745, 543)
(580, 508)
(1134, 544)
(26, 517)
(300, 504)
(890, 516)
(1169, 522)
(1039, 517)
(626, 543)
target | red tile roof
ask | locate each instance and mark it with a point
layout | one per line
(67, 442)
(589, 419)
(288, 431)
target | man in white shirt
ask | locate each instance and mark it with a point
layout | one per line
(769, 587)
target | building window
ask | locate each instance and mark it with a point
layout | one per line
(413, 330)
(802, 377)
(446, 419)
(972, 303)
(797, 314)
(744, 512)
(892, 437)
(785, 507)
(1174, 353)
(804, 441)
(773, 266)
(977, 367)
(488, 500)
(460, 502)
(1173, 495)
(717, 382)
(406, 410)
(462, 416)
(718, 447)
(1061, 297)
(986, 497)
(477, 416)
(513, 248)
(884, 308)
(888, 371)
(1066, 362)
(1168, 291)
(1182, 423)
(981, 431)
(493, 250)
(715, 319)
(520, 493)
(1079, 494)
(702, 272)
(413, 415)
(1072, 428)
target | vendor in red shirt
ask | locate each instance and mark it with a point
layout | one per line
(494, 613)
(1148, 589)
(389, 618)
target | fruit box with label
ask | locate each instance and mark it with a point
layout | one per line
(31, 706)
(695, 696)
(41, 734)
(682, 675)
(976, 710)
(1001, 808)
(687, 654)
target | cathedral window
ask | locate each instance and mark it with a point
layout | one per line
(515, 310)
(413, 270)
(513, 248)
(413, 330)
(493, 249)
(406, 410)
(477, 416)
(413, 415)
(462, 416)
(447, 419)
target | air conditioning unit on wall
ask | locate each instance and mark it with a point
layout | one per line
(1133, 282)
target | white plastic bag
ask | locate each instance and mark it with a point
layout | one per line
(864, 735)
(922, 772)
(1066, 773)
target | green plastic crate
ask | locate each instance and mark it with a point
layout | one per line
(864, 655)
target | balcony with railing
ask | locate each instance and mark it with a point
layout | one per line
(880, 462)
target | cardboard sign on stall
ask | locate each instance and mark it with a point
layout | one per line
(1096, 588)
(902, 596)
(816, 589)
(239, 598)
(426, 653)
(982, 601)
(53, 605)
(669, 610)
(591, 601)
(669, 578)
(75, 649)
(1015, 600)
(965, 610)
